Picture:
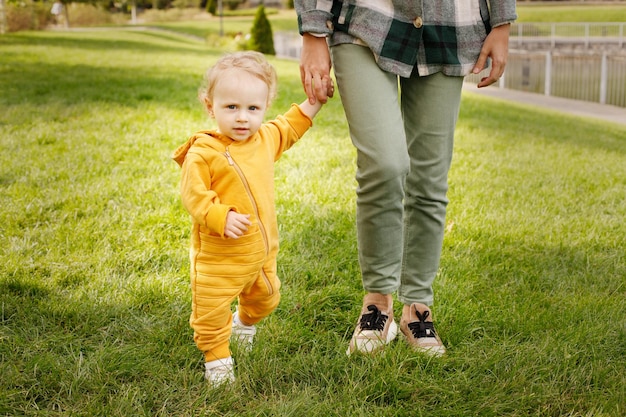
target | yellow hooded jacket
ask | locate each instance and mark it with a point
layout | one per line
(219, 175)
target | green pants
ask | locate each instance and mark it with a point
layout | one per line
(403, 130)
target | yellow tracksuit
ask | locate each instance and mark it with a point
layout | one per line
(219, 175)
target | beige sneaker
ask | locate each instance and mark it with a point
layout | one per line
(219, 371)
(376, 327)
(417, 326)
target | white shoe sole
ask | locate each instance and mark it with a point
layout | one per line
(368, 342)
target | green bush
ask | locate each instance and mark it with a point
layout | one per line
(37, 16)
(211, 7)
(27, 16)
(232, 4)
(261, 38)
(81, 15)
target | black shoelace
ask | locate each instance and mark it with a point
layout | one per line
(422, 328)
(373, 321)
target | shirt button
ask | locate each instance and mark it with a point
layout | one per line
(329, 25)
(418, 22)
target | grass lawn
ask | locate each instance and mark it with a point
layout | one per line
(94, 293)
(572, 12)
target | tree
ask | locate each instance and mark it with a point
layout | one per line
(261, 37)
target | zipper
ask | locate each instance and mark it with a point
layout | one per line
(239, 172)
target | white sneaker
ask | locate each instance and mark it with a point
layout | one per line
(376, 327)
(242, 334)
(373, 332)
(219, 371)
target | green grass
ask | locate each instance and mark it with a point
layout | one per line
(548, 12)
(94, 294)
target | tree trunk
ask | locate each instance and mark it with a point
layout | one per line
(3, 17)
(133, 12)
(66, 15)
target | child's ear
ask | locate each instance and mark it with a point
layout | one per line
(209, 106)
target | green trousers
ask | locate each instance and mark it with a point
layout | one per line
(403, 130)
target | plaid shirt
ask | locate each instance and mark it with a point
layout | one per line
(432, 35)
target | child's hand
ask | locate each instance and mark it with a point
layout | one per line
(312, 109)
(236, 224)
(330, 87)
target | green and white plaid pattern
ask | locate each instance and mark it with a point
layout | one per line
(446, 37)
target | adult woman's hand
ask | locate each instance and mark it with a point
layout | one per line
(496, 47)
(315, 69)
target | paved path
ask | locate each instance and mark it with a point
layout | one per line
(576, 107)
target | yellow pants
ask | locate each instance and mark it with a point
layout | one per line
(223, 270)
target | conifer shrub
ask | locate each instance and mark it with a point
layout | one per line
(211, 7)
(261, 37)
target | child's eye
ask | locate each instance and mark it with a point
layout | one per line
(253, 108)
(231, 107)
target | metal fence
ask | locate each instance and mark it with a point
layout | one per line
(596, 77)
(575, 35)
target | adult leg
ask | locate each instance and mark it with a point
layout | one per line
(430, 106)
(370, 100)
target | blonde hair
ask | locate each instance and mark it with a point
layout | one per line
(254, 63)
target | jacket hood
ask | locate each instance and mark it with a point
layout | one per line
(206, 135)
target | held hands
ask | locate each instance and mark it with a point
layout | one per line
(496, 47)
(315, 69)
(236, 224)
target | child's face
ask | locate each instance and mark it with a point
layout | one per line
(239, 104)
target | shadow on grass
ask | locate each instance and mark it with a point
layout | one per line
(42, 84)
(26, 79)
(69, 41)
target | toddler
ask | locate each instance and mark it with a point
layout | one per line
(227, 186)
